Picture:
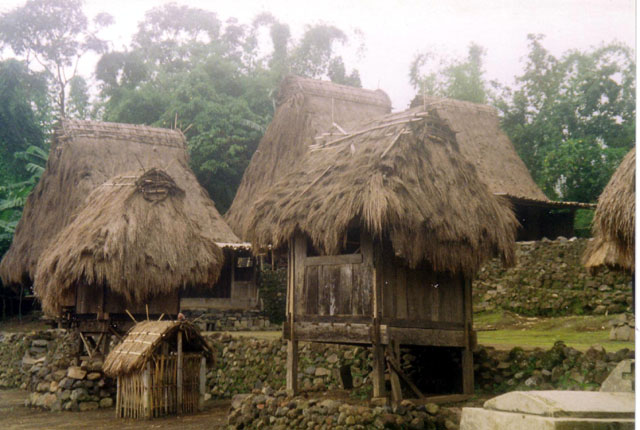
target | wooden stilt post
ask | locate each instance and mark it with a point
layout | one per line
(179, 379)
(467, 353)
(396, 388)
(297, 254)
(366, 243)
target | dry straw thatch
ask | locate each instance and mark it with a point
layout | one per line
(484, 144)
(138, 235)
(613, 243)
(84, 155)
(402, 177)
(142, 342)
(305, 108)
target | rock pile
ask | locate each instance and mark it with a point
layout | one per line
(549, 280)
(244, 364)
(221, 320)
(559, 368)
(623, 328)
(59, 380)
(265, 410)
(13, 347)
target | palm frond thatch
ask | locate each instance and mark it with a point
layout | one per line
(613, 243)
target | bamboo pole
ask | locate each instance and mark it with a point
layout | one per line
(179, 373)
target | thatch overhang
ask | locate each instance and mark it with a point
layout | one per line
(84, 155)
(402, 178)
(305, 108)
(137, 235)
(613, 228)
(143, 340)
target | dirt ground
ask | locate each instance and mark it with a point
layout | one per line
(14, 415)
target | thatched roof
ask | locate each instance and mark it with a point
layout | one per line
(402, 177)
(484, 144)
(138, 234)
(83, 155)
(613, 243)
(305, 108)
(143, 340)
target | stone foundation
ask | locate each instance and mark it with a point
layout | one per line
(223, 320)
(549, 280)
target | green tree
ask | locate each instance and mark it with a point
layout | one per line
(572, 116)
(456, 79)
(185, 68)
(55, 34)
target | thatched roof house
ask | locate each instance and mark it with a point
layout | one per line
(403, 177)
(613, 243)
(138, 234)
(305, 109)
(85, 155)
(484, 144)
(143, 340)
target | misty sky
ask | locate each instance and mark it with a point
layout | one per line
(394, 31)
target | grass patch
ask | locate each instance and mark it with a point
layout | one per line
(535, 338)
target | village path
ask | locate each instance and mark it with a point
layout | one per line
(15, 416)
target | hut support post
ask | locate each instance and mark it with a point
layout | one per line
(396, 388)
(366, 243)
(179, 373)
(203, 382)
(467, 352)
(297, 254)
(146, 391)
(118, 398)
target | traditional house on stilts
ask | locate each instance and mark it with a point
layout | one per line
(385, 226)
(118, 223)
(613, 243)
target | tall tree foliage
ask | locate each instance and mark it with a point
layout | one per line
(188, 69)
(55, 34)
(456, 79)
(572, 118)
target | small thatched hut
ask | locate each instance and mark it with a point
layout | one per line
(613, 243)
(84, 156)
(385, 228)
(161, 369)
(305, 108)
(484, 144)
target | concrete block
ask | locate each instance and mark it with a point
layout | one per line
(553, 410)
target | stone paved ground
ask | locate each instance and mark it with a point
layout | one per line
(15, 416)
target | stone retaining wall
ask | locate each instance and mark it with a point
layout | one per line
(227, 320)
(549, 280)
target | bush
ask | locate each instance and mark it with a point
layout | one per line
(582, 222)
(273, 290)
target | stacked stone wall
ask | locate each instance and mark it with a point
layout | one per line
(549, 280)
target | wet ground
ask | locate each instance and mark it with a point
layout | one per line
(14, 415)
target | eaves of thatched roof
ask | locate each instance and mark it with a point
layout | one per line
(613, 243)
(402, 177)
(84, 155)
(305, 108)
